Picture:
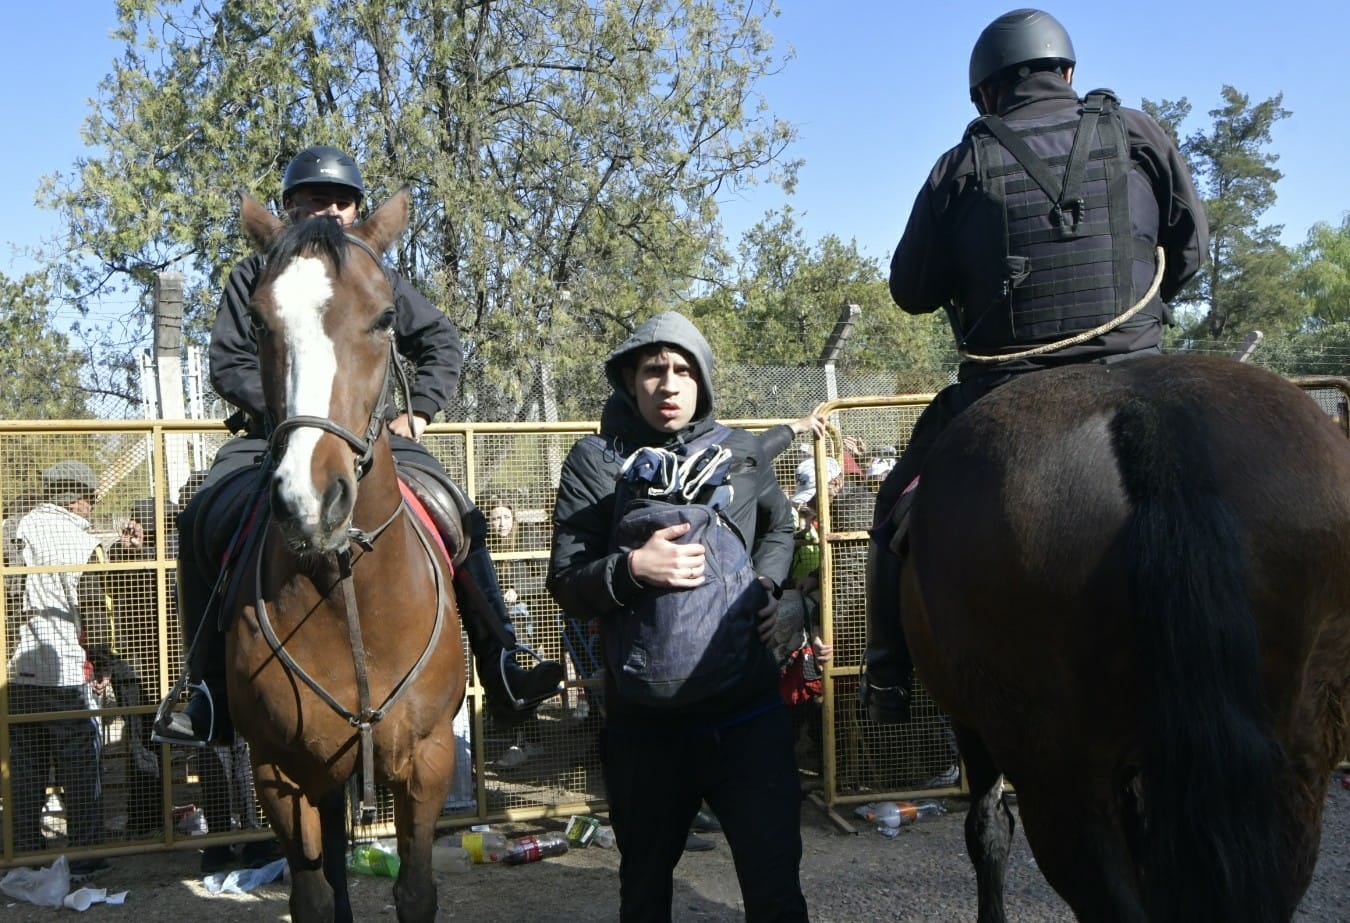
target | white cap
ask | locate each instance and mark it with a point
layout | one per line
(806, 478)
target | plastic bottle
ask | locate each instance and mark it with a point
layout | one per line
(533, 848)
(373, 859)
(450, 858)
(895, 814)
(481, 847)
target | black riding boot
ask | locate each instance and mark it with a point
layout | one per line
(888, 676)
(206, 717)
(510, 688)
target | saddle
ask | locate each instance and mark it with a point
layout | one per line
(445, 503)
(220, 529)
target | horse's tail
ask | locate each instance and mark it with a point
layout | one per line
(1209, 760)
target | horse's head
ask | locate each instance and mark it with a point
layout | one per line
(323, 314)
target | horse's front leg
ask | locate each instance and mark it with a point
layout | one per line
(418, 802)
(297, 826)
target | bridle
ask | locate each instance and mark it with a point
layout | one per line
(364, 446)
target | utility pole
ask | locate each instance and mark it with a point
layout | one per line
(169, 374)
(834, 345)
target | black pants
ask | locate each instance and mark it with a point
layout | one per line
(946, 406)
(194, 587)
(67, 749)
(747, 773)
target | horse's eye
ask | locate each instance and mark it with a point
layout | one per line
(385, 322)
(255, 322)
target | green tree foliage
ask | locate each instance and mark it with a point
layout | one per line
(1324, 273)
(565, 155)
(1248, 282)
(42, 371)
(789, 294)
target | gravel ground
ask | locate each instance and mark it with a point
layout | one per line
(922, 874)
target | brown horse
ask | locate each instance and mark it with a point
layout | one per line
(345, 649)
(1129, 587)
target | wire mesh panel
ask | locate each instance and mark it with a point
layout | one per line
(151, 797)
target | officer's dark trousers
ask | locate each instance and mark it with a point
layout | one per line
(747, 772)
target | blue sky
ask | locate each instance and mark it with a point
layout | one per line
(877, 90)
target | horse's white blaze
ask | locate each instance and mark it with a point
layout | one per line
(301, 295)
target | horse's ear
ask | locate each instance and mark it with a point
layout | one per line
(386, 223)
(260, 225)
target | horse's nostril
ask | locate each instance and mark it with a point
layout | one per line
(337, 502)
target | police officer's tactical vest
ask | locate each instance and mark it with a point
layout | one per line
(1067, 260)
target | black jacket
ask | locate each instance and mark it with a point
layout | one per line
(426, 337)
(948, 227)
(589, 578)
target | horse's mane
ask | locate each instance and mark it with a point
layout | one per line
(321, 235)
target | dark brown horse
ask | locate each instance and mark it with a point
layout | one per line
(345, 651)
(1129, 587)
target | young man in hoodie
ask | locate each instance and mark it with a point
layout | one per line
(734, 748)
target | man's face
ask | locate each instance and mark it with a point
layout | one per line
(322, 199)
(665, 387)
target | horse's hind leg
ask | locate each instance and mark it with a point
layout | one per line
(989, 825)
(1081, 846)
(297, 826)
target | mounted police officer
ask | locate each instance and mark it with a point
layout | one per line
(325, 181)
(1055, 232)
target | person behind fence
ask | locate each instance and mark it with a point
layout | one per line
(691, 688)
(48, 669)
(136, 592)
(1037, 235)
(323, 181)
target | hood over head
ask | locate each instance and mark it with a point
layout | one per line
(668, 328)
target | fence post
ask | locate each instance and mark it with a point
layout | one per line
(834, 345)
(169, 374)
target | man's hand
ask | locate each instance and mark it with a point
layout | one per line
(409, 426)
(132, 534)
(660, 562)
(824, 652)
(812, 422)
(768, 616)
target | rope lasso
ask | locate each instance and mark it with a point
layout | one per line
(1086, 335)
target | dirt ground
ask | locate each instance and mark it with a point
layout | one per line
(922, 874)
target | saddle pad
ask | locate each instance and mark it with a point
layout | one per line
(416, 507)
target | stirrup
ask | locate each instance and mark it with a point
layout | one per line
(159, 731)
(517, 703)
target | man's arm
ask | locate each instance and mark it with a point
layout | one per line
(429, 339)
(585, 577)
(1183, 226)
(922, 272)
(774, 530)
(235, 373)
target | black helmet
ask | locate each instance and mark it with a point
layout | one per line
(322, 164)
(1018, 38)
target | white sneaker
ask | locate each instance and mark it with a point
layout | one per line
(946, 779)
